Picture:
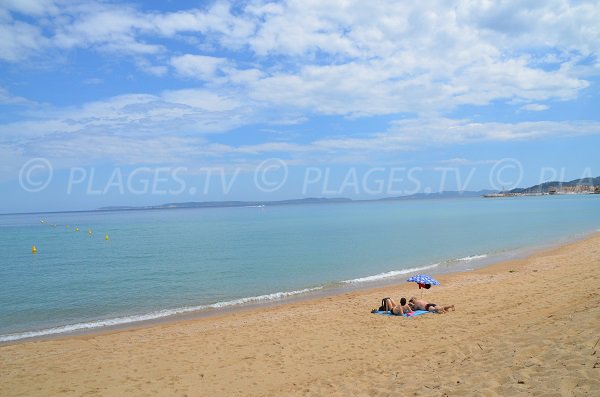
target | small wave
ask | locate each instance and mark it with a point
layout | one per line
(261, 298)
(390, 274)
(472, 257)
(149, 316)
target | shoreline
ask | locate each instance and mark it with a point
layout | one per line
(282, 298)
(527, 324)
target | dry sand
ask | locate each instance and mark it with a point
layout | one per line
(525, 327)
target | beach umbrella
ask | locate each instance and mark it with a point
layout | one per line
(424, 281)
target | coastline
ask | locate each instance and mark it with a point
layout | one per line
(333, 345)
(387, 279)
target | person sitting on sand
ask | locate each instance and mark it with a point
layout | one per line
(388, 305)
(419, 304)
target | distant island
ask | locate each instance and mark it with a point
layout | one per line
(576, 186)
(310, 200)
(224, 204)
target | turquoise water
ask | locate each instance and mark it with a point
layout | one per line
(161, 262)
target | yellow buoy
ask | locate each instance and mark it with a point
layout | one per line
(33, 250)
(67, 226)
(90, 232)
(76, 229)
(106, 237)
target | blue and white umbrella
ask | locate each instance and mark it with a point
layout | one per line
(424, 281)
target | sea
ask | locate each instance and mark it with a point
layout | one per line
(101, 269)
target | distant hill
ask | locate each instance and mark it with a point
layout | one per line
(584, 185)
(310, 200)
(557, 186)
(440, 195)
(215, 204)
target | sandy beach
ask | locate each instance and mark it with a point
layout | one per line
(523, 327)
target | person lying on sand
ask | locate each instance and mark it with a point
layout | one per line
(419, 304)
(388, 305)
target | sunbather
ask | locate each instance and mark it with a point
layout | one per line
(419, 304)
(388, 305)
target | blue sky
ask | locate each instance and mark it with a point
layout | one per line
(140, 103)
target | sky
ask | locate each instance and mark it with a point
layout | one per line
(108, 103)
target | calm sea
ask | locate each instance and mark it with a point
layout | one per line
(158, 263)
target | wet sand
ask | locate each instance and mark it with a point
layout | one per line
(524, 327)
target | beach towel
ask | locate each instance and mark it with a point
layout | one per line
(415, 313)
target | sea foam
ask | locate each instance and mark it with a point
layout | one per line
(150, 316)
(395, 273)
(472, 257)
(389, 274)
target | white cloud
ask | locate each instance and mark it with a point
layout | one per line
(102, 132)
(293, 28)
(198, 66)
(535, 107)
(156, 70)
(419, 133)
(444, 130)
(108, 28)
(379, 88)
(142, 115)
(6, 98)
(350, 57)
(459, 162)
(201, 99)
(554, 23)
(19, 40)
(217, 20)
(83, 150)
(285, 62)
(31, 7)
